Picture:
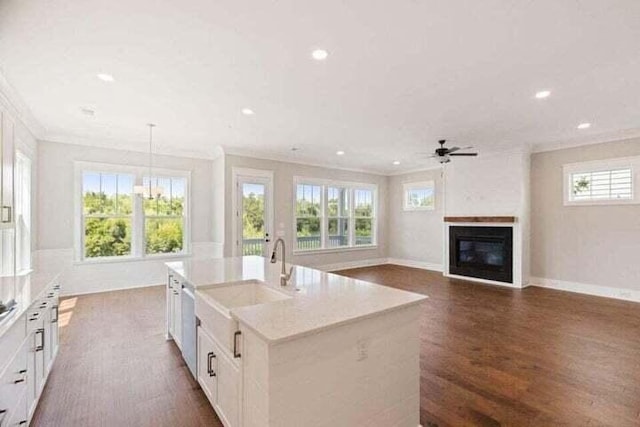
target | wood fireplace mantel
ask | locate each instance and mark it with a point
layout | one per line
(480, 219)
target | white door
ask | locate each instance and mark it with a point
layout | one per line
(254, 201)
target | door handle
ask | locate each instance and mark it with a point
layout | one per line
(7, 214)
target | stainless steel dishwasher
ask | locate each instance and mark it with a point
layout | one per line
(189, 339)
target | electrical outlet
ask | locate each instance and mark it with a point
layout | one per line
(362, 347)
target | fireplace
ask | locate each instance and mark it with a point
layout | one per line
(482, 252)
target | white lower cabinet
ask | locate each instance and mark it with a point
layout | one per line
(174, 310)
(33, 343)
(228, 402)
(219, 377)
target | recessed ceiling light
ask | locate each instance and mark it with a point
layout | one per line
(396, 162)
(584, 125)
(247, 112)
(340, 153)
(105, 77)
(543, 94)
(87, 111)
(319, 54)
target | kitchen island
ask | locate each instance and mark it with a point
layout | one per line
(322, 350)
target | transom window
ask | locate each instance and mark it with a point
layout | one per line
(115, 222)
(604, 182)
(334, 215)
(419, 196)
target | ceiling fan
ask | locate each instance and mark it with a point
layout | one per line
(443, 153)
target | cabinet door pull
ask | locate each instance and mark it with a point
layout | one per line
(210, 357)
(55, 308)
(21, 380)
(41, 332)
(236, 334)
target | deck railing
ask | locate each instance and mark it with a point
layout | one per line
(255, 246)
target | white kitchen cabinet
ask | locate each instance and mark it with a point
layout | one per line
(206, 365)
(170, 301)
(219, 377)
(27, 350)
(177, 314)
(228, 396)
(174, 310)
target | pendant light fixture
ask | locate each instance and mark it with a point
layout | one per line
(149, 191)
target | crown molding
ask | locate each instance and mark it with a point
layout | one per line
(620, 135)
(10, 99)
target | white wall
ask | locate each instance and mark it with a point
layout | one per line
(491, 184)
(592, 249)
(284, 173)
(415, 237)
(56, 216)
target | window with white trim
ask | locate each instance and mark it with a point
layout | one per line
(418, 196)
(611, 181)
(164, 215)
(114, 222)
(334, 215)
(107, 214)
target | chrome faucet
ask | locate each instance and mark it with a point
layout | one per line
(284, 276)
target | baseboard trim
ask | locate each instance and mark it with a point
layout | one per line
(587, 289)
(351, 264)
(415, 264)
(380, 261)
(101, 291)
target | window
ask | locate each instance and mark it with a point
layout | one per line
(308, 216)
(23, 212)
(164, 216)
(116, 223)
(419, 196)
(602, 182)
(337, 217)
(363, 207)
(107, 214)
(334, 215)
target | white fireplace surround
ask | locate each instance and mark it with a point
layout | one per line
(518, 281)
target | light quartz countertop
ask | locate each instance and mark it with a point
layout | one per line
(322, 300)
(29, 287)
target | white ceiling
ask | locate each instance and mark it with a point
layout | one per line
(399, 76)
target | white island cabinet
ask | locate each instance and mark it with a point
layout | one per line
(325, 350)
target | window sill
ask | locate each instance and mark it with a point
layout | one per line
(115, 260)
(333, 250)
(610, 202)
(408, 209)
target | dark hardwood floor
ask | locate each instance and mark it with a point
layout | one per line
(115, 368)
(493, 356)
(490, 356)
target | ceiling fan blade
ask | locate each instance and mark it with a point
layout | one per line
(464, 154)
(452, 149)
